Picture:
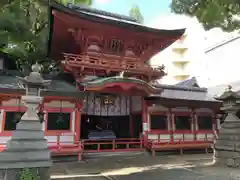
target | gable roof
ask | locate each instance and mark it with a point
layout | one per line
(189, 82)
(87, 13)
(222, 43)
(185, 90)
(83, 8)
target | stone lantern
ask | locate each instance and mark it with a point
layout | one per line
(227, 145)
(27, 149)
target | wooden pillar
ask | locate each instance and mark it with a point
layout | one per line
(214, 122)
(145, 122)
(172, 118)
(215, 125)
(131, 125)
(194, 123)
(78, 121)
(170, 123)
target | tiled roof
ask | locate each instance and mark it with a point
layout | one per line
(186, 90)
(189, 82)
(61, 85)
(10, 84)
(229, 94)
(85, 9)
(92, 14)
(187, 95)
(186, 85)
(181, 87)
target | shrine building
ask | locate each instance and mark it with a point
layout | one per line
(107, 99)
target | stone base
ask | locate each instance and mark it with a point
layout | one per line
(227, 145)
(22, 174)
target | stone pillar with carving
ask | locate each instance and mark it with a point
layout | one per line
(26, 153)
(227, 144)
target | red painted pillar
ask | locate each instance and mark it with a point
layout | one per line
(131, 119)
(145, 122)
(78, 122)
(172, 118)
(131, 126)
(194, 123)
(170, 121)
(215, 126)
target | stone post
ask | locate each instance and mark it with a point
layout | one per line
(227, 145)
(27, 151)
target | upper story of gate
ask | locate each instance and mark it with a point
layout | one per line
(93, 42)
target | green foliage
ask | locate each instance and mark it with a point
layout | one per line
(136, 14)
(24, 30)
(211, 13)
(27, 174)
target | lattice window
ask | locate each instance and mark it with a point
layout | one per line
(183, 122)
(115, 45)
(12, 118)
(205, 123)
(59, 121)
(159, 122)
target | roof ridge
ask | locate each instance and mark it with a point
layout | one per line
(181, 88)
(222, 42)
(82, 7)
(192, 82)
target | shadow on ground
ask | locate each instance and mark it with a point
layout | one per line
(143, 167)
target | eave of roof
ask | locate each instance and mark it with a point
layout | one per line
(83, 14)
(84, 8)
(134, 26)
(183, 92)
(181, 88)
(184, 102)
(228, 95)
(9, 84)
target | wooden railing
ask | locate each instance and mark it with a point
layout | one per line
(180, 143)
(65, 148)
(113, 145)
(105, 63)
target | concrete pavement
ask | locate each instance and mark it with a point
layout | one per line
(143, 167)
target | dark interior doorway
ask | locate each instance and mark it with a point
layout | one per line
(103, 127)
(137, 125)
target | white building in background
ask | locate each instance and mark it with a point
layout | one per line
(197, 54)
(223, 62)
(183, 58)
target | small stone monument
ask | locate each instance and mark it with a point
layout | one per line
(227, 145)
(27, 153)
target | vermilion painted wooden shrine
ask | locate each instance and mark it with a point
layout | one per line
(106, 100)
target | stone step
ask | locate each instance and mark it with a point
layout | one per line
(14, 156)
(228, 137)
(26, 164)
(29, 144)
(26, 134)
(29, 125)
(229, 131)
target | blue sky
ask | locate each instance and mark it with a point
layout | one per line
(150, 9)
